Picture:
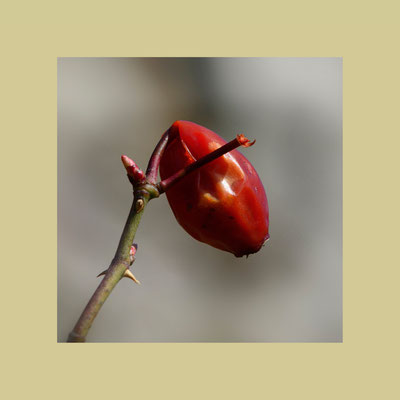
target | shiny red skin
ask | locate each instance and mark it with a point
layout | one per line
(222, 203)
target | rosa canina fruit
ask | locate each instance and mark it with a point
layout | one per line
(223, 203)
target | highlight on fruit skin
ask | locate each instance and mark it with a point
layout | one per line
(223, 203)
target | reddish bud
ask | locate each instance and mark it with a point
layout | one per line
(223, 203)
(132, 169)
(132, 253)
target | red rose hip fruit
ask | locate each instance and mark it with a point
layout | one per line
(223, 203)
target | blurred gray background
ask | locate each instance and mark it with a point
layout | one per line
(291, 291)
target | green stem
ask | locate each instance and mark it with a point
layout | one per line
(115, 272)
(144, 191)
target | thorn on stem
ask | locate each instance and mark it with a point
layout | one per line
(139, 205)
(128, 274)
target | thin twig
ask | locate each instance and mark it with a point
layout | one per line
(154, 162)
(240, 140)
(114, 274)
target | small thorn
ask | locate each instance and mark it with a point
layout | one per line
(102, 273)
(128, 274)
(139, 205)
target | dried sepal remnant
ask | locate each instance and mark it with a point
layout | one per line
(244, 141)
(223, 203)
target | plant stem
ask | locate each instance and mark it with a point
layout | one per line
(240, 140)
(115, 272)
(154, 162)
(144, 191)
